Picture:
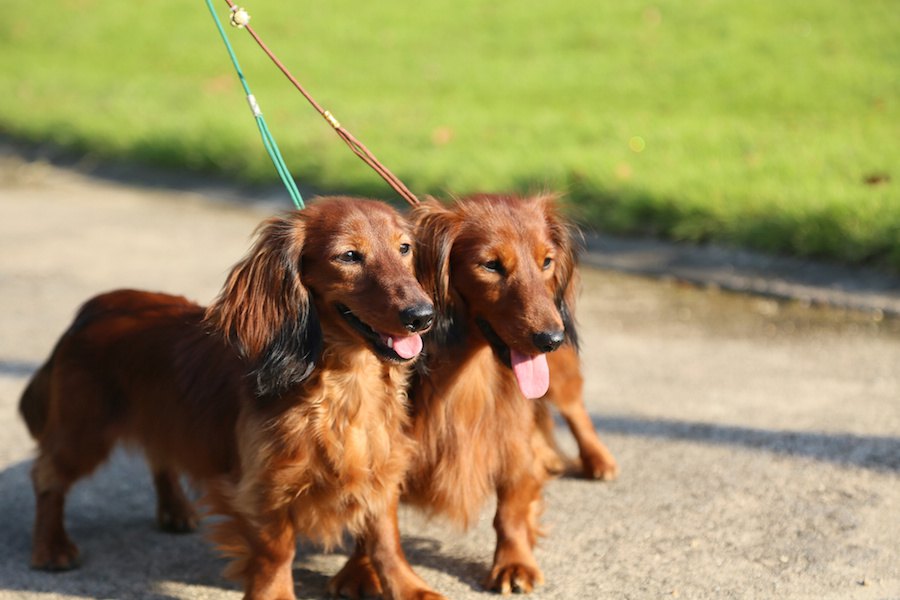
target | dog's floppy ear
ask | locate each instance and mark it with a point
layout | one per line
(436, 228)
(565, 278)
(265, 311)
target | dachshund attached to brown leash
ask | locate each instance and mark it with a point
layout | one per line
(501, 270)
(285, 400)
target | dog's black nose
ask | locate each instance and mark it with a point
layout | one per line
(548, 341)
(417, 317)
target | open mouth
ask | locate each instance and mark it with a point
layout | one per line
(392, 347)
(531, 370)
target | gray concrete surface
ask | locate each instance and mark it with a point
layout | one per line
(810, 282)
(759, 439)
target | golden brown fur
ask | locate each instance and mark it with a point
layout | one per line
(288, 411)
(501, 270)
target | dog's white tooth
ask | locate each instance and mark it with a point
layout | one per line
(390, 342)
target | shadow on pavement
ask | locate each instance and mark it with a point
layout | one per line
(111, 517)
(428, 553)
(17, 368)
(879, 453)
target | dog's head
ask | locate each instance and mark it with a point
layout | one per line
(501, 266)
(342, 266)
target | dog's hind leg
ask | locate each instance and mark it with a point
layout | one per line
(174, 512)
(52, 549)
(566, 385)
(77, 436)
(52, 475)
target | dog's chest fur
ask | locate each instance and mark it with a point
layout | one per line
(473, 427)
(338, 454)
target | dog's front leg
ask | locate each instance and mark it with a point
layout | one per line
(267, 572)
(398, 580)
(357, 578)
(515, 568)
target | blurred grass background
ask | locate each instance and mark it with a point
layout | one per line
(773, 125)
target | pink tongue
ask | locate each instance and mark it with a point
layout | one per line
(406, 347)
(531, 372)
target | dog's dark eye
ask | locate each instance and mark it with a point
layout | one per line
(404, 249)
(350, 256)
(547, 262)
(494, 266)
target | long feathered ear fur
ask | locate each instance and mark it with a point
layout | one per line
(436, 228)
(565, 277)
(265, 311)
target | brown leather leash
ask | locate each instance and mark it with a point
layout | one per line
(240, 19)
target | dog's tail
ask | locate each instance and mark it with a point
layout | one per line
(35, 401)
(34, 405)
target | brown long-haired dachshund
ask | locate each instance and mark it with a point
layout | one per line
(501, 270)
(285, 399)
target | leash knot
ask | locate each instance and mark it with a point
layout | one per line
(240, 18)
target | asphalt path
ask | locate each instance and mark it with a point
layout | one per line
(759, 438)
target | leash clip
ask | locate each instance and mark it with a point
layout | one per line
(254, 106)
(331, 119)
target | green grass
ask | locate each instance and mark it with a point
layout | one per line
(749, 123)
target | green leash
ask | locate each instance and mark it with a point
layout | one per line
(268, 140)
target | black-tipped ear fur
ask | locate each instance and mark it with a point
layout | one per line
(292, 355)
(436, 228)
(265, 311)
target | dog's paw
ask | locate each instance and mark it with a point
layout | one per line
(514, 578)
(59, 555)
(555, 464)
(176, 521)
(417, 593)
(599, 467)
(357, 579)
(424, 595)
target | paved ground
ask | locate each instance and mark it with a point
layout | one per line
(759, 439)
